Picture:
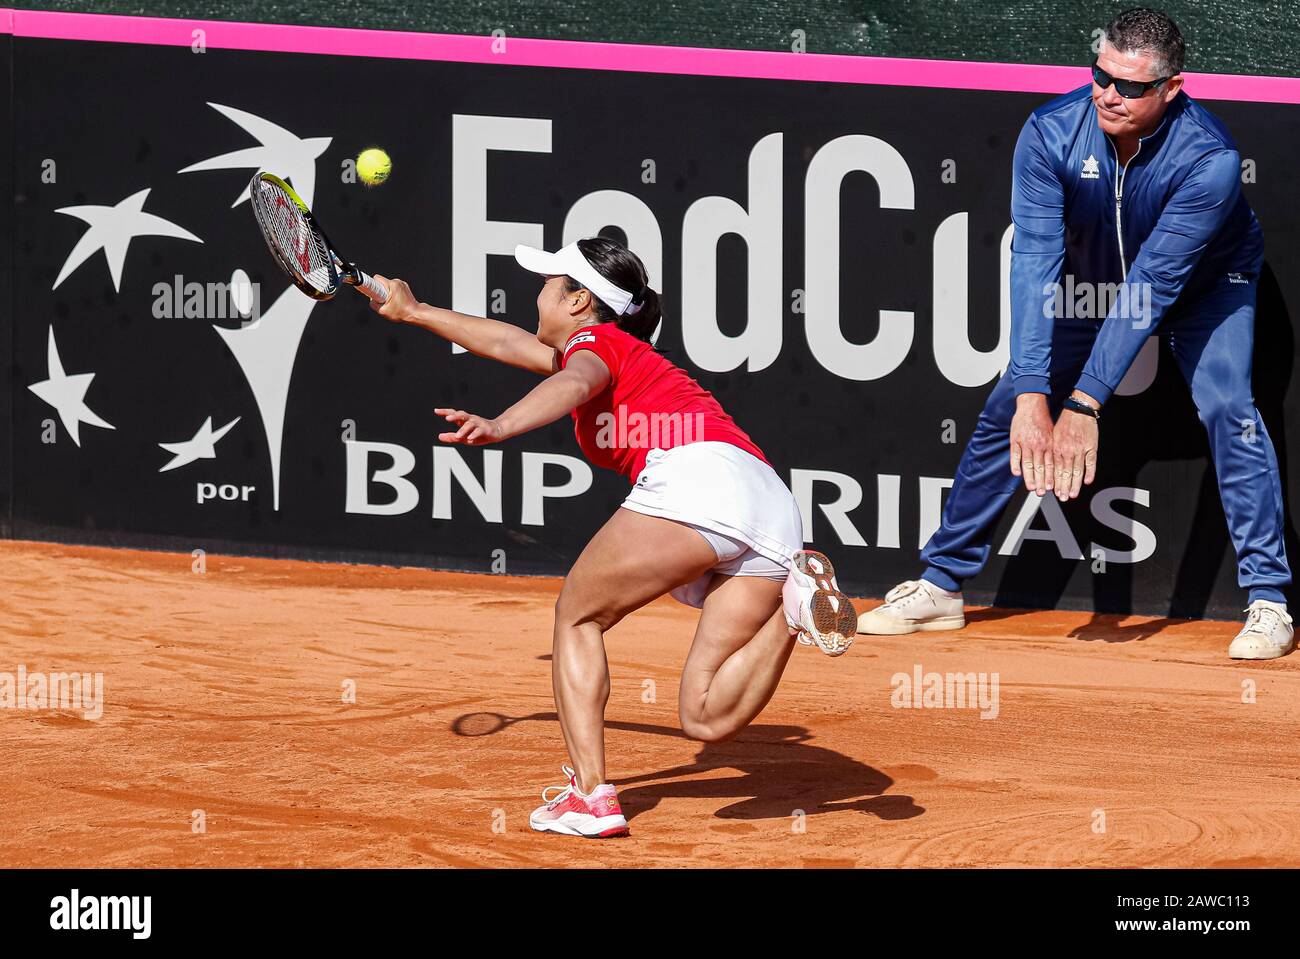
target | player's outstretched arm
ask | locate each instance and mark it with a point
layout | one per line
(494, 339)
(584, 377)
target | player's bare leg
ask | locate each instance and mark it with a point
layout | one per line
(741, 647)
(632, 560)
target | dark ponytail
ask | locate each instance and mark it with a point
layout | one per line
(625, 270)
(645, 321)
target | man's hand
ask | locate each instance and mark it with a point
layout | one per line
(1074, 449)
(472, 430)
(1031, 442)
(401, 303)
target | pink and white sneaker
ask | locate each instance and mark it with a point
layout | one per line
(815, 609)
(595, 816)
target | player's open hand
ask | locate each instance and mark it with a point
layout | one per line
(1031, 443)
(471, 430)
(1074, 451)
(401, 302)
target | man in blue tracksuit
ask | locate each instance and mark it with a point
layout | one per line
(1130, 189)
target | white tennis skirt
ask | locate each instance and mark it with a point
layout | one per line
(723, 489)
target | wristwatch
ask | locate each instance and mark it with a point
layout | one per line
(1080, 407)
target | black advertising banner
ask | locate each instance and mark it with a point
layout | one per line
(6, 288)
(832, 258)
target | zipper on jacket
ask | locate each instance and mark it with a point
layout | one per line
(1119, 202)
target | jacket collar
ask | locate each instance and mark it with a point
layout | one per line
(1153, 139)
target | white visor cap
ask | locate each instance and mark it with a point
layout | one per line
(569, 261)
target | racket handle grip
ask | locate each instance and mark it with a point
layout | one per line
(372, 287)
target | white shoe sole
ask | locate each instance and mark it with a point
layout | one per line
(1272, 652)
(834, 619)
(588, 827)
(873, 625)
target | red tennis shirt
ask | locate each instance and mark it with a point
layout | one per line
(649, 404)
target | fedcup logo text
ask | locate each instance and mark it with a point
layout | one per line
(1095, 301)
(922, 690)
(619, 429)
(75, 912)
(69, 691)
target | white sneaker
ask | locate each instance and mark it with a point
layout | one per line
(815, 609)
(911, 607)
(1268, 632)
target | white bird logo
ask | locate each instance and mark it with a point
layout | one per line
(289, 155)
(112, 228)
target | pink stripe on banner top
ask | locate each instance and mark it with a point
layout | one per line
(637, 58)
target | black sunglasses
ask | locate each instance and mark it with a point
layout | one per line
(1128, 89)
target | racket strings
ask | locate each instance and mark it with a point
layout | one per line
(291, 238)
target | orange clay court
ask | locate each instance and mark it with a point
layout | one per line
(223, 693)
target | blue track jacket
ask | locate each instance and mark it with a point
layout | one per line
(1175, 219)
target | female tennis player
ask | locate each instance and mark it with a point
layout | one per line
(708, 519)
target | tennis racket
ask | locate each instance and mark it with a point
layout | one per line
(300, 246)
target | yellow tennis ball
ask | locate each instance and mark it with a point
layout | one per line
(373, 166)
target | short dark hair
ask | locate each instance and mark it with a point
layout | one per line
(1149, 30)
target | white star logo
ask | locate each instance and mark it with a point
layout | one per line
(203, 445)
(1090, 168)
(289, 155)
(111, 229)
(67, 394)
